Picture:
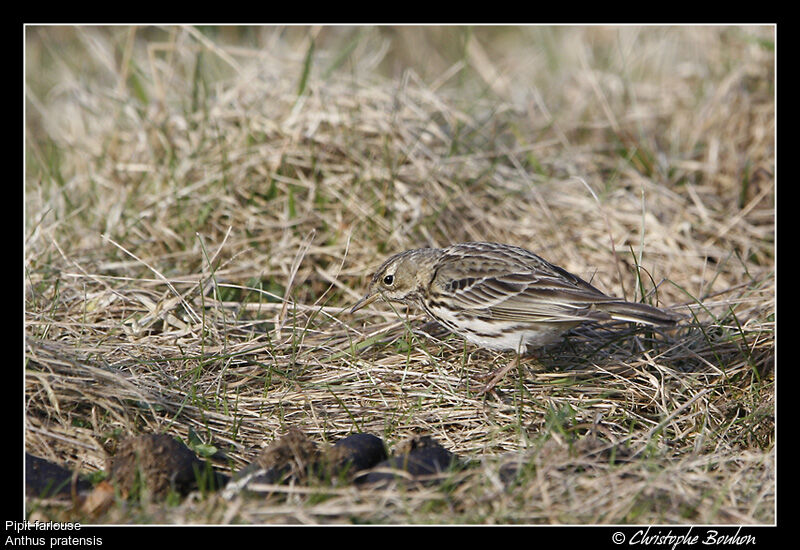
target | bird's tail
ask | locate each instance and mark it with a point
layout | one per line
(640, 313)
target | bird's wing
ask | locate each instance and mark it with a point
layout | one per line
(529, 296)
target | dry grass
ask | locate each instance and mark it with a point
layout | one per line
(202, 206)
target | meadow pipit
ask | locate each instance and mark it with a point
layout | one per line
(499, 296)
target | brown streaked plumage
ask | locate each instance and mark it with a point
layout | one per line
(499, 296)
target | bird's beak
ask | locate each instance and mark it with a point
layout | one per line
(365, 301)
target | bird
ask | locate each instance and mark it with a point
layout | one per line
(500, 296)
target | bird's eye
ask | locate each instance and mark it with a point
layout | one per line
(388, 280)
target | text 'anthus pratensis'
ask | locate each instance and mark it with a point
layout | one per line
(500, 296)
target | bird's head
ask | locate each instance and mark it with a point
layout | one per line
(400, 278)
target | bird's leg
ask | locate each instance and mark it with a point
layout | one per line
(496, 376)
